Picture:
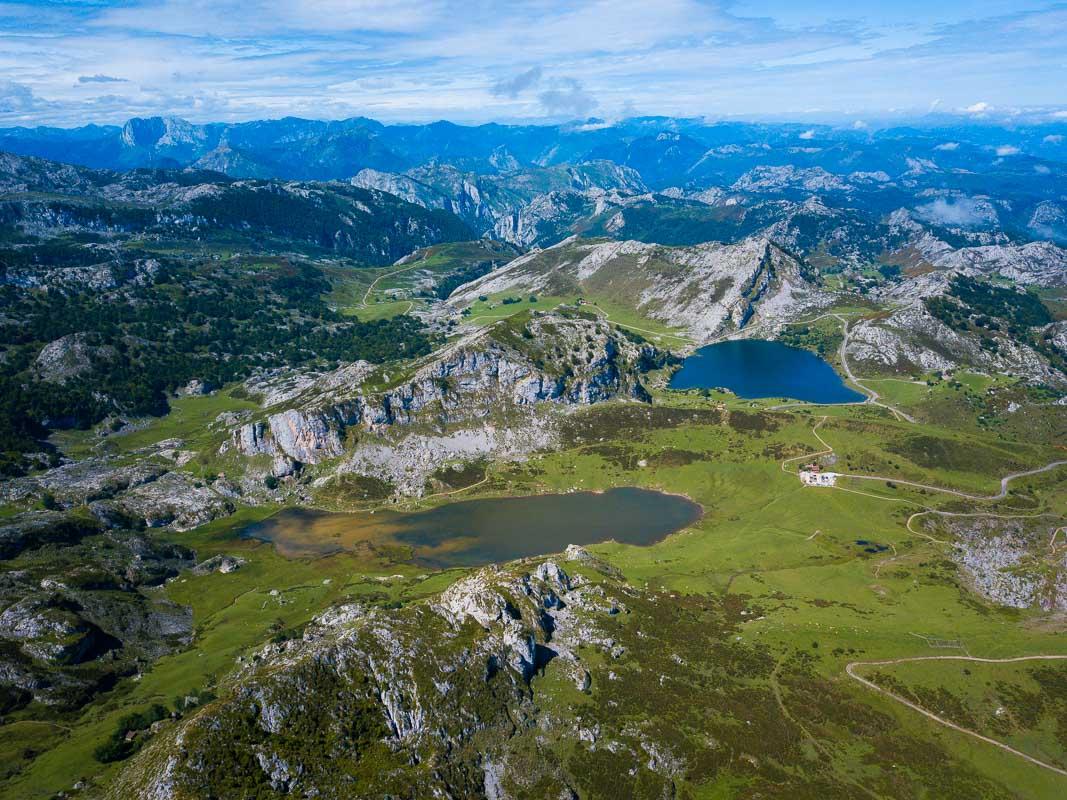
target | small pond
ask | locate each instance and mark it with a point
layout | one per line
(476, 532)
(754, 368)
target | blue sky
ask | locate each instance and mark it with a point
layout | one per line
(67, 63)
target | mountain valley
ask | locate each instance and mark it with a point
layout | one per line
(203, 326)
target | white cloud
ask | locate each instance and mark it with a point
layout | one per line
(514, 86)
(948, 146)
(1041, 169)
(859, 125)
(427, 59)
(1008, 150)
(1053, 138)
(961, 211)
(19, 100)
(808, 134)
(567, 98)
(99, 78)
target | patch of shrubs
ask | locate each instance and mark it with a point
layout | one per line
(129, 734)
(133, 730)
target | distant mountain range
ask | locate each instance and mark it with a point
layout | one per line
(682, 181)
(665, 151)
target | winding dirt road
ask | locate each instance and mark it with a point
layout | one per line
(1000, 495)
(366, 295)
(872, 396)
(850, 669)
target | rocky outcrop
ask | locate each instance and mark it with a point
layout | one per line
(406, 461)
(810, 179)
(912, 339)
(407, 680)
(705, 289)
(69, 357)
(304, 437)
(556, 359)
(81, 482)
(222, 564)
(1009, 562)
(33, 529)
(1033, 264)
(74, 618)
(176, 500)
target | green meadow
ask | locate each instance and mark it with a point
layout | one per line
(833, 573)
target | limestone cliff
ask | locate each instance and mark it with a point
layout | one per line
(514, 366)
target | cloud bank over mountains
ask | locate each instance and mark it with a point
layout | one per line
(67, 62)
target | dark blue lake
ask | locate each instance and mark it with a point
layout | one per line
(753, 368)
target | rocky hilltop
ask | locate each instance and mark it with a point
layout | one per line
(46, 199)
(399, 427)
(387, 694)
(545, 678)
(706, 289)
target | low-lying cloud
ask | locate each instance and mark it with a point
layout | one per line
(964, 212)
(16, 98)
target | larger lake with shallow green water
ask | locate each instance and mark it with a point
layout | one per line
(474, 532)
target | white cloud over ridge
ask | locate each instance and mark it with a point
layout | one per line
(965, 212)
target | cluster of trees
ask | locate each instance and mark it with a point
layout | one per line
(972, 302)
(127, 737)
(213, 321)
(1020, 309)
(132, 730)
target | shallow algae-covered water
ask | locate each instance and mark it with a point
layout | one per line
(474, 532)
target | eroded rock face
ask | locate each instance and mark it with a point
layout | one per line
(69, 357)
(405, 681)
(305, 437)
(1009, 562)
(705, 288)
(552, 359)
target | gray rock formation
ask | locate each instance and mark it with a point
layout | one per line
(705, 289)
(69, 357)
(556, 359)
(408, 680)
